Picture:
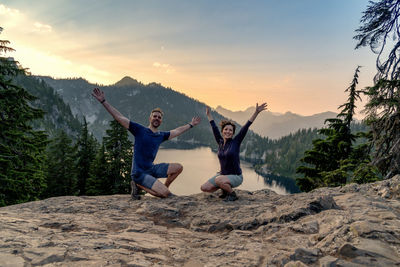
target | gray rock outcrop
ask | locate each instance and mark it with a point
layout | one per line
(354, 225)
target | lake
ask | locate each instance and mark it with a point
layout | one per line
(200, 164)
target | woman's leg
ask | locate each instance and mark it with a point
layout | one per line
(208, 187)
(223, 182)
(226, 183)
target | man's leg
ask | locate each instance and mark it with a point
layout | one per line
(134, 191)
(160, 189)
(174, 169)
(151, 185)
(150, 191)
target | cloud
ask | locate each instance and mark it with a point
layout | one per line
(13, 20)
(166, 67)
(92, 70)
(45, 63)
(42, 28)
(10, 18)
(8, 11)
(43, 50)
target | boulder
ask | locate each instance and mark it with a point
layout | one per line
(353, 225)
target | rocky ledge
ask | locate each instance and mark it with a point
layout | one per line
(354, 225)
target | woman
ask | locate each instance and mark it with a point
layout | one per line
(230, 175)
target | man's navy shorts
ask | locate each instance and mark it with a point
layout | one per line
(149, 177)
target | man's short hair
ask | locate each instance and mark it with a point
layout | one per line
(157, 110)
(224, 123)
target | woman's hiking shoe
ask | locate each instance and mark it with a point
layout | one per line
(134, 191)
(224, 194)
(231, 197)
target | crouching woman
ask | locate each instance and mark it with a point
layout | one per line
(230, 175)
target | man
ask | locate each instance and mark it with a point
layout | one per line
(147, 141)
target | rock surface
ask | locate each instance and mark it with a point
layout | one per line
(354, 225)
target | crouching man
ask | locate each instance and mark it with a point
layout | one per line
(147, 142)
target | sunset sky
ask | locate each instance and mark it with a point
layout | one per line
(298, 55)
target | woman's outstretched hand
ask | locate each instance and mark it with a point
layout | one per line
(261, 107)
(208, 113)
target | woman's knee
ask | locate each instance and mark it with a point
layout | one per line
(207, 187)
(221, 180)
(204, 188)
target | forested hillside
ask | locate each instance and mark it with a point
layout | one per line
(283, 156)
(57, 114)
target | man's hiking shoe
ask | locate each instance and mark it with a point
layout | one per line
(231, 197)
(224, 194)
(134, 191)
(171, 195)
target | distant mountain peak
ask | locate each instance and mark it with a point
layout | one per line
(127, 81)
(275, 125)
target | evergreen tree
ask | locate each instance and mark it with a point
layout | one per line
(61, 173)
(99, 182)
(332, 159)
(86, 152)
(21, 148)
(119, 158)
(282, 157)
(380, 31)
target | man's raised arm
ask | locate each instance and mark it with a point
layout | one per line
(180, 130)
(99, 95)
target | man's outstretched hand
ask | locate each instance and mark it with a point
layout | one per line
(195, 120)
(98, 94)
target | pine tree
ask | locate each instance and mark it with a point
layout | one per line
(332, 159)
(86, 152)
(99, 182)
(61, 162)
(119, 157)
(380, 31)
(21, 148)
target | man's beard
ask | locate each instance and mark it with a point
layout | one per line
(155, 124)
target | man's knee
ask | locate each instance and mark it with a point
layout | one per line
(179, 168)
(175, 168)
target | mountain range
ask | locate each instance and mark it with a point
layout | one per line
(275, 125)
(135, 100)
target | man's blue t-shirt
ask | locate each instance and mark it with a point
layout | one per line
(146, 146)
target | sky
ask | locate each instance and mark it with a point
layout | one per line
(296, 55)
